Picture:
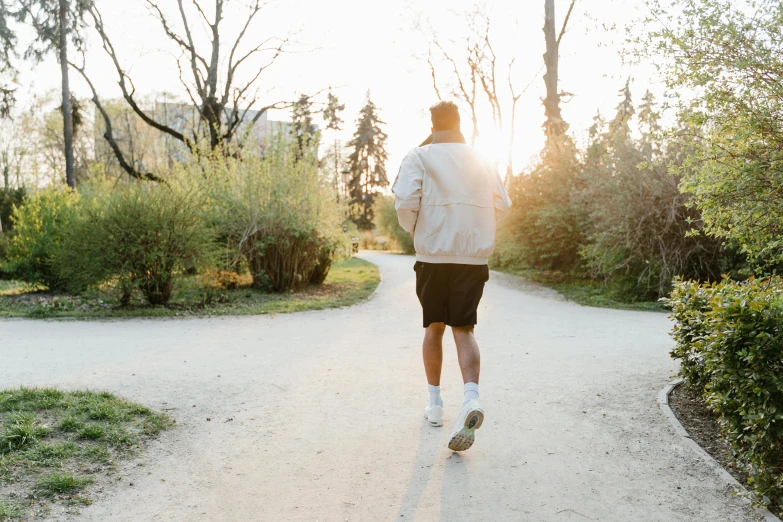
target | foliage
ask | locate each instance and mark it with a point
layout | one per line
(278, 213)
(141, 234)
(730, 56)
(349, 281)
(613, 212)
(389, 225)
(303, 128)
(332, 112)
(640, 230)
(9, 198)
(689, 302)
(543, 229)
(729, 338)
(40, 225)
(367, 165)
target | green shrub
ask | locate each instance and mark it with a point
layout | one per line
(737, 331)
(10, 198)
(544, 228)
(39, 228)
(389, 224)
(689, 302)
(140, 235)
(278, 213)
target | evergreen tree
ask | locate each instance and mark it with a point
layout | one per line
(303, 128)
(334, 123)
(649, 126)
(620, 126)
(332, 112)
(367, 165)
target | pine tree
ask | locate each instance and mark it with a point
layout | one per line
(649, 126)
(334, 123)
(620, 126)
(303, 128)
(367, 165)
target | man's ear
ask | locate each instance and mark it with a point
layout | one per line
(432, 129)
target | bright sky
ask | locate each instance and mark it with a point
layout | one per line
(356, 45)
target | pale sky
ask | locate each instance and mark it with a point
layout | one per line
(356, 45)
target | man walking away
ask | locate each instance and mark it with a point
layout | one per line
(449, 198)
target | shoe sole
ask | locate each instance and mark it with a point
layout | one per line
(465, 437)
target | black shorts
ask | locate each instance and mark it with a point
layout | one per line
(450, 293)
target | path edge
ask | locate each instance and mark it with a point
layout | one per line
(663, 401)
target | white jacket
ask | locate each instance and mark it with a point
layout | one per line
(450, 197)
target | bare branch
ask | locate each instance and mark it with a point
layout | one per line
(232, 70)
(254, 10)
(193, 64)
(128, 95)
(174, 36)
(432, 71)
(109, 135)
(202, 13)
(565, 22)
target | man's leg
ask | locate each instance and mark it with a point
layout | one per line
(432, 351)
(468, 353)
(471, 416)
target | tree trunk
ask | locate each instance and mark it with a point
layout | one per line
(67, 114)
(553, 126)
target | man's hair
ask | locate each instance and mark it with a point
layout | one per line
(445, 116)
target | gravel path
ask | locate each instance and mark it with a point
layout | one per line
(317, 416)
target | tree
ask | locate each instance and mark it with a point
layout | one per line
(334, 123)
(729, 57)
(472, 78)
(554, 126)
(640, 231)
(302, 127)
(8, 42)
(225, 107)
(367, 164)
(55, 22)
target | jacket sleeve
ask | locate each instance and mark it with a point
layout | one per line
(502, 201)
(407, 191)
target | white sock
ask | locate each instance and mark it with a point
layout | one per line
(435, 399)
(471, 392)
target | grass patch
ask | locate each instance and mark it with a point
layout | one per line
(10, 510)
(585, 292)
(60, 483)
(349, 282)
(55, 444)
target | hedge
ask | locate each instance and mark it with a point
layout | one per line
(730, 344)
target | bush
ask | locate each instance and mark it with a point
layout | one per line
(39, 227)
(285, 258)
(9, 198)
(278, 213)
(729, 339)
(140, 235)
(690, 302)
(543, 229)
(389, 225)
